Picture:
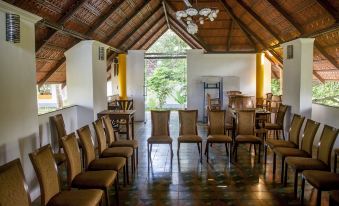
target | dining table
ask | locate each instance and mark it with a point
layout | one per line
(127, 115)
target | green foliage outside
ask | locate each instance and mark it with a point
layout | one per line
(322, 93)
(166, 78)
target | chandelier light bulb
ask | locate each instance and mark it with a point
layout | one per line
(214, 15)
(191, 11)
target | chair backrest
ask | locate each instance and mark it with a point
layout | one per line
(87, 144)
(58, 122)
(13, 187)
(109, 129)
(281, 114)
(245, 122)
(71, 148)
(125, 104)
(325, 145)
(160, 123)
(259, 102)
(47, 173)
(100, 134)
(188, 122)
(296, 124)
(233, 92)
(216, 122)
(310, 131)
(269, 96)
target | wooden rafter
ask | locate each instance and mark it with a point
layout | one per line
(104, 17)
(239, 22)
(323, 52)
(182, 24)
(166, 16)
(259, 20)
(329, 8)
(229, 37)
(62, 21)
(126, 21)
(147, 18)
(51, 72)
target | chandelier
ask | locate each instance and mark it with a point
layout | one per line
(193, 16)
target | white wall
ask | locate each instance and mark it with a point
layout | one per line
(19, 113)
(199, 64)
(325, 115)
(135, 81)
(86, 79)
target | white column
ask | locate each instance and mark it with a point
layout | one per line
(19, 113)
(297, 76)
(87, 79)
(135, 81)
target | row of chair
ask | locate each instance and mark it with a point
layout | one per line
(98, 176)
(299, 157)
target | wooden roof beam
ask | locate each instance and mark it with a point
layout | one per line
(239, 22)
(141, 24)
(182, 33)
(74, 8)
(330, 58)
(259, 20)
(126, 21)
(51, 72)
(177, 32)
(104, 17)
(229, 37)
(329, 8)
(166, 16)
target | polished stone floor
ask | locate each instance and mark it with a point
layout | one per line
(186, 181)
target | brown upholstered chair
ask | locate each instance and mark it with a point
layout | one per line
(334, 198)
(321, 180)
(103, 179)
(305, 150)
(104, 151)
(279, 122)
(217, 133)
(13, 187)
(160, 131)
(246, 130)
(46, 170)
(59, 125)
(113, 140)
(92, 163)
(188, 132)
(323, 160)
(293, 137)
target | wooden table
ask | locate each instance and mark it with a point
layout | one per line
(127, 115)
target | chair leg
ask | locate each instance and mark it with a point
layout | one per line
(274, 164)
(318, 197)
(107, 197)
(116, 185)
(236, 151)
(282, 170)
(283, 133)
(178, 148)
(148, 156)
(226, 148)
(285, 175)
(265, 153)
(207, 150)
(137, 151)
(302, 190)
(295, 184)
(201, 151)
(124, 176)
(127, 173)
(230, 153)
(259, 149)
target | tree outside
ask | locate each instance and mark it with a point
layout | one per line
(166, 78)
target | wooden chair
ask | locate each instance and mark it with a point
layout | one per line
(13, 187)
(279, 122)
(246, 131)
(323, 160)
(113, 140)
(105, 151)
(103, 179)
(188, 132)
(160, 131)
(293, 137)
(334, 198)
(92, 163)
(305, 150)
(46, 170)
(59, 125)
(217, 132)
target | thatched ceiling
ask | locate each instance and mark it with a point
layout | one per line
(241, 26)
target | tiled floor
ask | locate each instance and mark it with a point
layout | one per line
(186, 181)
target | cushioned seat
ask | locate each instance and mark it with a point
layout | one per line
(88, 197)
(189, 138)
(109, 163)
(59, 158)
(286, 151)
(159, 140)
(94, 179)
(304, 163)
(272, 143)
(219, 138)
(322, 180)
(248, 139)
(272, 126)
(125, 143)
(118, 152)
